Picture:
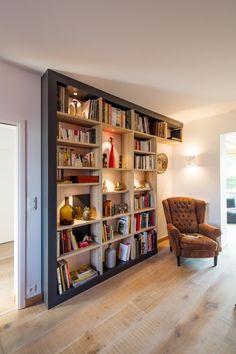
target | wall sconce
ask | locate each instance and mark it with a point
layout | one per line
(191, 161)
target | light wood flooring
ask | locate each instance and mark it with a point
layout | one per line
(6, 277)
(154, 307)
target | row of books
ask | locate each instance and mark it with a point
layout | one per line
(144, 220)
(145, 242)
(66, 242)
(122, 227)
(67, 279)
(143, 201)
(88, 109)
(144, 161)
(116, 116)
(160, 129)
(69, 158)
(143, 145)
(77, 135)
(141, 124)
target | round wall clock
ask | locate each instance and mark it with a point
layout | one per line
(162, 163)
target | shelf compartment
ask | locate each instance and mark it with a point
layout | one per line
(137, 211)
(66, 185)
(138, 134)
(93, 246)
(168, 141)
(116, 192)
(77, 223)
(76, 144)
(116, 216)
(144, 229)
(114, 129)
(141, 152)
(116, 237)
(77, 120)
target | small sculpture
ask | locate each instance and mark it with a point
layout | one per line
(86, 213)
(111, 163)
(104, 160)
(118, 186)
(120, 161)
(104, 187)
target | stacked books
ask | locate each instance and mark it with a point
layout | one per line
(143, 201)
(145, 242)
(77, 135)
(141, 124)
(90, 109)
(63, 276)
(143, 145)
(159, 129)
(66, 242)
(144, 162)
(62, 99)
(116, 116)
(82, 275)
(107, 232)
(68, 157)
(143, 220)
(124, 251)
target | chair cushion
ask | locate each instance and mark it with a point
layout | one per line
(183, 214)
(197, 242)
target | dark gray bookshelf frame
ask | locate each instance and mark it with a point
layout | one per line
(49, 185)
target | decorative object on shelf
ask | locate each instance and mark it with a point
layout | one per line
(78, 161)
(110, 257)
(88, 238)
(66, 213)
(86, 213)
(120, 161)
(84, 179)
(111, 163)
(104, 160)
(142, 185)
(78, 212)
(162, 163)
(118, 186)
(104, 187)
(123, 208)
(74, 106)
(107, 208)
(83, 244)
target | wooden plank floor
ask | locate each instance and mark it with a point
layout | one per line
(154, 307)
(7, 277)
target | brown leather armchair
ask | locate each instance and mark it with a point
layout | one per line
(188, 235)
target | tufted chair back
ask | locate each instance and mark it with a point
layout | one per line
(184, 213)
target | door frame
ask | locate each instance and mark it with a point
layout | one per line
(20, 214)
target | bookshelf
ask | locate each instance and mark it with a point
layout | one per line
(79, 122)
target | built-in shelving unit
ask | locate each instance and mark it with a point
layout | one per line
(78, 122)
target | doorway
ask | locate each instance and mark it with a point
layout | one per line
(9, 216)
(228, 184)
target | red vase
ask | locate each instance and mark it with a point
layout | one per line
(111, 162)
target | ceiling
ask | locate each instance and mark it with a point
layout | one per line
(175, 57)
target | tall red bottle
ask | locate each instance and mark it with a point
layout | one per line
(111, 162)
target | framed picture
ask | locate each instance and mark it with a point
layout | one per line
(162, 163)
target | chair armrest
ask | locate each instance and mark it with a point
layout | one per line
(173, 231)
(210, 231)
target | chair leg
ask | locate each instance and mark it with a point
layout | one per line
(215, 261)
(178, 261)
(171, 249)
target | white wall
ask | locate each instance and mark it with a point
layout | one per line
(202, 137)
(20, 101)
(164, 188)
(7, 181)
